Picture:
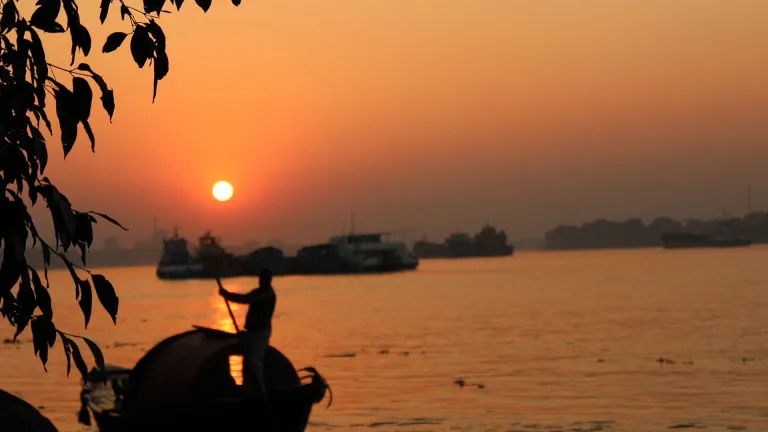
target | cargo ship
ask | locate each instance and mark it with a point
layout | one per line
(346, 254)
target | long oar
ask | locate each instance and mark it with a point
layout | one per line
(229, 308)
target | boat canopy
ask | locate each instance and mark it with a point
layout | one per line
(194, 367)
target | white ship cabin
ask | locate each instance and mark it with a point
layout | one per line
(370, 249)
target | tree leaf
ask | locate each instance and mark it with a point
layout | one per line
(86, 300)
(178, 4)
(64, 216)
(19, 63)
(91, 136)
(21, 324)
(26, 296)
(161, 70)
(157, 33)
(41, 64)
(39, 112)
(83, 234)
(41, 151)
(73, 274)
(141, 45)
(98, 357)
(153, 6)
(204, 4)
(9, 16)
(43, 337)
(107, 96)
(11, 267)
(42, 294)
(236, 2)
(80, 38)
(114, 222)
(67, 350)
(46, 260)
(114, 41)
(124, 11)
(104, 10)
(39, 343)
(107, 296)
(78, 358)
(83, 229)
(83, 97)
(108, 102)
(66, 111)
(44, 17)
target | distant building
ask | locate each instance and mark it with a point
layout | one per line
(155, 243)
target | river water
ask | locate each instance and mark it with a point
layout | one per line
(545, 341)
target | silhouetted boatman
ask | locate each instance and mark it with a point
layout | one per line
(258, 329)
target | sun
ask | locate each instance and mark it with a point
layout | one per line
(222, 191)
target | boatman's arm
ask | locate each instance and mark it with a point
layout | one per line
(247, 298)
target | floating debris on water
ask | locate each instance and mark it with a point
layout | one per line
(687, 426)
(121, 345)
(343, 355)
(461, 383)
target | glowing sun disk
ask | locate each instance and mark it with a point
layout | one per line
(222, 191)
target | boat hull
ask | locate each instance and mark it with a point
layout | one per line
(294, 267)
(284, 415)
(449, 255)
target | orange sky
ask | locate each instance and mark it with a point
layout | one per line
(429, 114)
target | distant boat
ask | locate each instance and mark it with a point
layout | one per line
(726, 236)
(176, 261)
(355, 253)
(489, 242)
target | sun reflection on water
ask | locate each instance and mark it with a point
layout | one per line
(224, 322)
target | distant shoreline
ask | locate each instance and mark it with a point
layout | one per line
(633, 233)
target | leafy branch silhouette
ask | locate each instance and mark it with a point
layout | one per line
(26, 82)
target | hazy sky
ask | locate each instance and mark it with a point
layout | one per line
(432, 115)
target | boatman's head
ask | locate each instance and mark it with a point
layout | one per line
(265, 277)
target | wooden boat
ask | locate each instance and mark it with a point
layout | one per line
(16, 415)
(184, 383)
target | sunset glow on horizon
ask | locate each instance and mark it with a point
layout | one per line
(428, 115)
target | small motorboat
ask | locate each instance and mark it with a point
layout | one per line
(184, 383)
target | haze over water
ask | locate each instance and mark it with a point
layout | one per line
(561, 341)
